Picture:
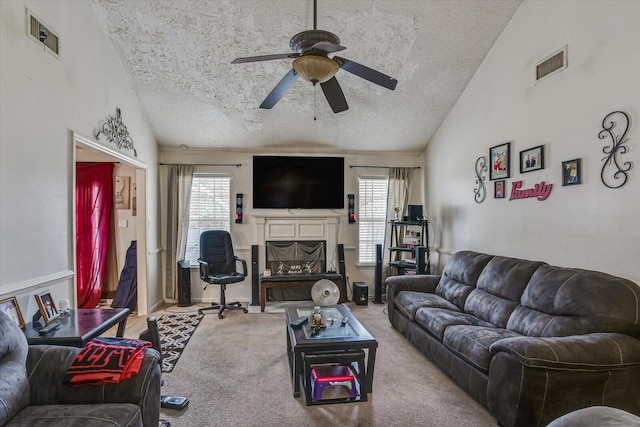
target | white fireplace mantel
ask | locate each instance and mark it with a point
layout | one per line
(296, 226)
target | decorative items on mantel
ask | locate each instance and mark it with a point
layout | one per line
(481, 191)
(618, 178)
(116, 132)
(614, 173)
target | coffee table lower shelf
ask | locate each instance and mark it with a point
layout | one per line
(351, 361)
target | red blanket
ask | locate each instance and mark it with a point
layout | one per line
(106, 360)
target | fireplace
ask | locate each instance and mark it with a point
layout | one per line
(296, 257)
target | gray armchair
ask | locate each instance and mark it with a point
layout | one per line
(32, 392)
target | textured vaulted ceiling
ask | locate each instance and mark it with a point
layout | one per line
(178, 56)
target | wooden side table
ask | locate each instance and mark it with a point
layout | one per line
(78, 327)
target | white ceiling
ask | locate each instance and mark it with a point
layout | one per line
(178, 56)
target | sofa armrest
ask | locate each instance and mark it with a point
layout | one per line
(585, 352)
(418, 283)
(533, 381)
(48, 364)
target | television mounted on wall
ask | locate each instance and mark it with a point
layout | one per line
(297, 182)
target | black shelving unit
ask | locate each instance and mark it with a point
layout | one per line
(420, 250)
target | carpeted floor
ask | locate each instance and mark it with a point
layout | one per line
(235, 373)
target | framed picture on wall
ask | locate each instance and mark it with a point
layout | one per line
(532, 159)
(11, 308)
(500, 156)
(47, 307)
(498, 190)
(571, 172)
(123, 192)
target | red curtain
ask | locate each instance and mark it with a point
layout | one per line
(94, 202)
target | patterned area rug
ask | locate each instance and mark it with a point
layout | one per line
(175, 331)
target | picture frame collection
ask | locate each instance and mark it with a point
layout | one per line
(46, 307)
(530, 160)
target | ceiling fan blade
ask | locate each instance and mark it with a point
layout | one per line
(264, 58)
(281, 88)
(328, 47)
(335, 96)
(367, 73)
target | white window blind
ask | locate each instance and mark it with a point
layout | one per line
(209, 210)
(372, 213)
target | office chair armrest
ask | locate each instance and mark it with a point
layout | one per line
(244, 264)
(204, 268)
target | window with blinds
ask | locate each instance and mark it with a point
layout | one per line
(209, 210)
(372, 213)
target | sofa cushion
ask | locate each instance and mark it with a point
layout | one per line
(106, 414)
(499, 289)
(14, 384)
(472, 343)
(408, 302)
(436, 320)
(460, 276)
(569, 301)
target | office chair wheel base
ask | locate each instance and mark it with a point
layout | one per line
(245, 310)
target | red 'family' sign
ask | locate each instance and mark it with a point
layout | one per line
(539, 191)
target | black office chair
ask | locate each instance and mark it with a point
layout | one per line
(218, 267)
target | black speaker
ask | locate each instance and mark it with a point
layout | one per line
(377, 291)
(343, 272)
(255, 274)
(352, 211)
(360, 293)
(239, 197)
(415, 212)
(184, 283)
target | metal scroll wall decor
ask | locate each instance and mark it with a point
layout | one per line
(615, 125)
(116, 132)
(481, 191)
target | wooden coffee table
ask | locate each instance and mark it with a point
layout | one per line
(335, 340)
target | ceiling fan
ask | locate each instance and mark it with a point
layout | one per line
(311, 51)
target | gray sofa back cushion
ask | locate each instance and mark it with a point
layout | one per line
(569, 301)
(14, 385)
(460, 276)
(499, 289)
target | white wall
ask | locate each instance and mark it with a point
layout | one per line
(587, 226)
(43, 100)
(244, 235)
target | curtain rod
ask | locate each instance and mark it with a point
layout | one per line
(202, 164)
(380, 167)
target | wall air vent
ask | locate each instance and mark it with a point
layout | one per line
(42, 34)
(552, 64)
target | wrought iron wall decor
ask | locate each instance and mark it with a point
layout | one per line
(618, 178)
(481, 191)
(116, 132)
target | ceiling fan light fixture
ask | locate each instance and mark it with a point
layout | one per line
(315, 69)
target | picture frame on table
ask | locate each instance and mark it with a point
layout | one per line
(500, 157)
(572, 172)
(10, 307)
(499, 189)
(47, 307)
(532, 159)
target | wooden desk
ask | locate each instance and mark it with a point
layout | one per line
(78, 327)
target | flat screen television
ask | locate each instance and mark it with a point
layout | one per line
(293, 182)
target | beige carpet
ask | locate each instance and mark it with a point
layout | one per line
(235, 373)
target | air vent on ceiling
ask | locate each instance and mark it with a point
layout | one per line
(42, 34)
(552, 64)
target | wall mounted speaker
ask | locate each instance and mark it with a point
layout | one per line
(239, 197)
(352, 208)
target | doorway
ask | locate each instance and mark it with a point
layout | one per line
(88, 150)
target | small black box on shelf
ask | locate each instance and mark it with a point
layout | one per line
(415, 212)
(360, 293)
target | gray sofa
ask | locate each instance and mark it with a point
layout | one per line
(32, 393)
(529, 341)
